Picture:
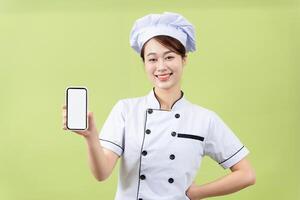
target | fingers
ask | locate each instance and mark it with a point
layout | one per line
(64, 117)
(64, 125)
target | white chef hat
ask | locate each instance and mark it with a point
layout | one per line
(170, 24)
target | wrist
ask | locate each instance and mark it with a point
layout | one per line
(91, 138)
(200, 192)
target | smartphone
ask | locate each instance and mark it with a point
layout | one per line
(76, 102)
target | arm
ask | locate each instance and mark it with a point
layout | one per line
(101, 160)
(242, 175)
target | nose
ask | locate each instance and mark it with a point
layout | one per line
(161, 66)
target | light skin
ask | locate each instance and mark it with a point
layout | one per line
(164, 69)
(101, 160)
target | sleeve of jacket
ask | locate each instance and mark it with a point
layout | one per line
(222, 145)
(112, 133)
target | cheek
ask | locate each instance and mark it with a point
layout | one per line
(149, 70)
(180, 69)
(177, 67)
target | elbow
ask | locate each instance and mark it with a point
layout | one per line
(101, 178)
(246, 173)
(250, 177)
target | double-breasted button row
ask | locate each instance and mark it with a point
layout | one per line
(143, 177)
(150, 111)
(172, 156)
(148, 131)
(144, 152)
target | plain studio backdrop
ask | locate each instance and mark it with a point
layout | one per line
(246, 68)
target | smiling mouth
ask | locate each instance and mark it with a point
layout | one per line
(164, 77)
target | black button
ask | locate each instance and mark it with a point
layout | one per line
(142, 177)
(140, 199)
(150, 111)
(173, 134)
(172, 156)
(177, 115)
(148, 131)
(144, 153)
(171, 180)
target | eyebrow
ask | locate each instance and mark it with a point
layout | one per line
(153, 53)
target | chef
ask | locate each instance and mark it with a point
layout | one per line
(161, 138)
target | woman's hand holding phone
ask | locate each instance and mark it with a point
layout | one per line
(75, 113)
(90, 131)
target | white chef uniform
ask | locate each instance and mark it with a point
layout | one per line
(161, 150)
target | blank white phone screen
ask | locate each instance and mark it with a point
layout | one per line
(77, 108)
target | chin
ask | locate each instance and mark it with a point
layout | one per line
(163, 86)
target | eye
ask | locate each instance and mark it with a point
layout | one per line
(169, 57)
(152, 59)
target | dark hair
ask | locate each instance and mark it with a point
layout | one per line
(169, 42)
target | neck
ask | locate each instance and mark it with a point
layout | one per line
(167, 98)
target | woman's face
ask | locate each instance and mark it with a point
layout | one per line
(163, 67)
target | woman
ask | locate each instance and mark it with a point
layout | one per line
(161, 138)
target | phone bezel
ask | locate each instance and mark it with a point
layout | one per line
(86, 109)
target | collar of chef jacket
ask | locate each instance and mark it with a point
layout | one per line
(153, 103)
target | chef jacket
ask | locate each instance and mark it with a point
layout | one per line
(161, 150)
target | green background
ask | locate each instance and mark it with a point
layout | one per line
(246, 69)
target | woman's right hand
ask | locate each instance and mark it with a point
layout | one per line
(90, 132)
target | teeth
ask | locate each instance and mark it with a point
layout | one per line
(164, 74)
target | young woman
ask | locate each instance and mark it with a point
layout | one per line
(161, 138)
